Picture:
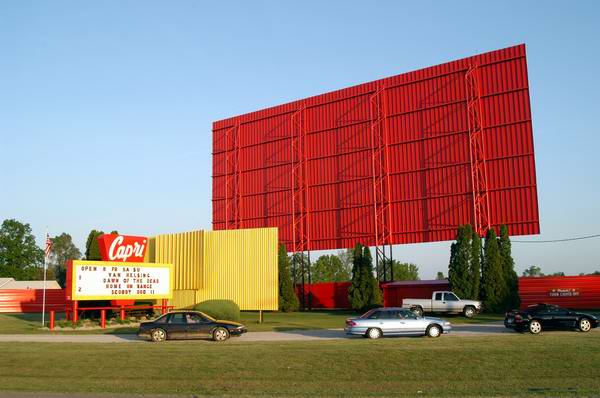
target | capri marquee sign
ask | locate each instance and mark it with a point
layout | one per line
(110, 280)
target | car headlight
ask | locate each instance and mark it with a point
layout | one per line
(446, 323)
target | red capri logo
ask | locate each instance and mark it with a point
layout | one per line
(122, 247)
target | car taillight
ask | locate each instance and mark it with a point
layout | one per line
(350, 323)
(518, 318)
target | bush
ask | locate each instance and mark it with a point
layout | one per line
(220, 309)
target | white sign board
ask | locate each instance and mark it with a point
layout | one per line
(107, 280)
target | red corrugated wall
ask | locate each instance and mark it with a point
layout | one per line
(327, 295)
(567, 291)
(31, 300)
(334, 295)
(429, 158)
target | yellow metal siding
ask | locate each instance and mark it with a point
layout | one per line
(241, 265)
(183, 298)
(184, 251)
(149, 257)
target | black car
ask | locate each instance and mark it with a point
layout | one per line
(189, 325)
(540, 317)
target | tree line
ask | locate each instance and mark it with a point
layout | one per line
(22, 259)
(363, 293)
(487, 273)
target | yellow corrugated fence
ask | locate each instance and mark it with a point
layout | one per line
(239, 265)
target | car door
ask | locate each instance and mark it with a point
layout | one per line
(389, 323)
(545, 316)
(198, 327)
(410, 323)
(563, 318)
(438, 304)
(452, 302)
(176, 326)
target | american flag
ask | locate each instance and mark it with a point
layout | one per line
(48, 245)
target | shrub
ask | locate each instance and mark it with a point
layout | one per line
(220, 309)
(288, 301)
(364, 292)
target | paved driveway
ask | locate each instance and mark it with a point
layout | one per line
(484, 329)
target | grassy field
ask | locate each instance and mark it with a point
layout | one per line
(277, 321)
(553, 364)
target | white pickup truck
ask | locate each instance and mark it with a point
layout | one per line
(443, 301)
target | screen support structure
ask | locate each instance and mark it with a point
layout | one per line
(481, 205)
(300, 205)
(381, 184)
(233, 218)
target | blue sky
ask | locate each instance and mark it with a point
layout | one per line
(106, 107)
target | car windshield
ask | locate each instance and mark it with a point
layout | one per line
(208, 317)
(161, 319)
(368, 314)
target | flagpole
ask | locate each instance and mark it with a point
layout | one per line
(45, 268)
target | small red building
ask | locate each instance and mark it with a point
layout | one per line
(395, 292)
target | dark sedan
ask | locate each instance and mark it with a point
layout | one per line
(189, 325)
(540, 317)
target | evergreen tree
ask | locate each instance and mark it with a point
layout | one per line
(440, 276)
(492, 276)
(288, 301)
(511, 280)
(92, 251)
(475, 266)
(459, 274)
(63, 249)
(364, 291)
(356, 289)
(374, 294)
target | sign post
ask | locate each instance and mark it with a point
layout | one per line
(46, 254)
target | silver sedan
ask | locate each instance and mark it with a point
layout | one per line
(395, 322)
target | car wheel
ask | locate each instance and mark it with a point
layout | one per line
(418, 311)
(374, 333)
(158, 335)
(584, 325)
(469, 312)
(434, 331)
(535, 327)
(220, 334)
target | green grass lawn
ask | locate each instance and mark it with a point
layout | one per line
(277, 321)
(554, 364)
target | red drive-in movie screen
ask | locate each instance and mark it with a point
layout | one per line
(404, 159)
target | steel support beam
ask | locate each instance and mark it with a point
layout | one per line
(380, 160)
(233, 213)
(479, 184)
(300, 203)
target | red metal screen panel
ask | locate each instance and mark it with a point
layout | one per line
(404, 159)
(567, 291)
